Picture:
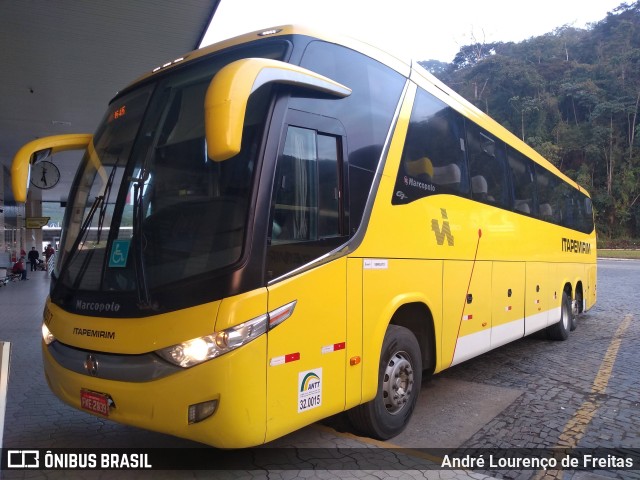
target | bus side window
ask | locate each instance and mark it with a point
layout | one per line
(546, 190)
(586, 225)
(306, 203)
(366, 114)
(307, 206)
(433, 159)
(487, 167)
(522, 177)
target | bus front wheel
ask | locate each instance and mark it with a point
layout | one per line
(399, 382)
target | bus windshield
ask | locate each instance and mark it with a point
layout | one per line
(149, 208)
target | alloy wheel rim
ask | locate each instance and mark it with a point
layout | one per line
(397, 382)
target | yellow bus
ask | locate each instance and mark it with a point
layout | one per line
(287, 225)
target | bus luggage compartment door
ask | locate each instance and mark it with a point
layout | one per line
(306, 358)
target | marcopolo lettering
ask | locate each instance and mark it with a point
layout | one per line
(412, 182)
(97, 306)
(575, 246)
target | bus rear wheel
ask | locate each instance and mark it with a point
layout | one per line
(576, 309)
(399, 382)
(560, 331)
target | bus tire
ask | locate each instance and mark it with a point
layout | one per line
(573, 323)
(399, 382)
(560, 331)
(573, 315)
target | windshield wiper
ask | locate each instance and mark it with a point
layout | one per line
(81, 237)
(99, 203)
(144, 298)
(105, 201)
(102, 206)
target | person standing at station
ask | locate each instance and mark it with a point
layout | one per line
(48, 252)
(33, 259)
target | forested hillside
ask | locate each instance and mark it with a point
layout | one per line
(573, 95)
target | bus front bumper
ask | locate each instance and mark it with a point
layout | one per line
(235, 383)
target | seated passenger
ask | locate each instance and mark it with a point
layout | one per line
(522, 206)
(546, 212)
(447, 175)
(421, 168)
(479, 188)
(19, 268)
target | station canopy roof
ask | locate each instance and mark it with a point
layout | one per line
(62, 61)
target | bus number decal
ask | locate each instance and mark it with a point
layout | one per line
(309, 389)
(375, 264)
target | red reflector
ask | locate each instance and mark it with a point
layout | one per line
(292, 357)
(282, 359)
(333, 348)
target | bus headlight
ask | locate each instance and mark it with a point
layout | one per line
(198, 350)
(47, 336)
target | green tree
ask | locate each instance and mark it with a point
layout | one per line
(574, 95)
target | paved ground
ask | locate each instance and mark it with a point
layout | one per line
(533, 393)
(584, 392)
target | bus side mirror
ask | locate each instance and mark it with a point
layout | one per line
(228, 93)
(38, 150)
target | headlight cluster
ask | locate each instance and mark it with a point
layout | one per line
(195, 351)
(198, 350)
(47, 336)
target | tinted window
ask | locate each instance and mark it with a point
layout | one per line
(522, 179)
(486, 156)
(433, 159)
(307, 211)
(548, 188)
(577, 211)
(366, 114)
(188, 233)
(586, 213)
(306, 195)
(562, 204)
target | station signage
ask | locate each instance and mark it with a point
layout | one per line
(36, 222)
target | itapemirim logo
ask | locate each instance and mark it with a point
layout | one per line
(445, 231)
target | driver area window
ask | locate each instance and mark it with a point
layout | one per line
(307, 204)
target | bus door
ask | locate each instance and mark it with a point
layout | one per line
(537, 297)
(507, 285)
(466, 309)
(307, 350)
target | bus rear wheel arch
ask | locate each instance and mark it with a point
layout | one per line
(399, 382)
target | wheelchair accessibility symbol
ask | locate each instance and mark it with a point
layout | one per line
(119, 253)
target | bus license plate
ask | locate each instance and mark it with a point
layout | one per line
(95, 402)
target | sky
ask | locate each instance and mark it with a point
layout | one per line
(419, 29)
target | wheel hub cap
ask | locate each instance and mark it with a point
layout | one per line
(397, 383)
